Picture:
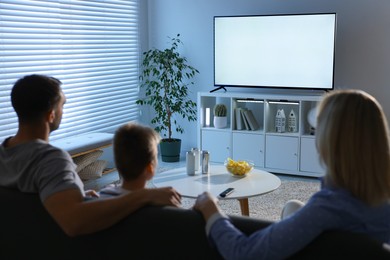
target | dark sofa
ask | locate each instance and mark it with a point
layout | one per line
(28, 232)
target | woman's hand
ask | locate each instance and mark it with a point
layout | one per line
(207, 204)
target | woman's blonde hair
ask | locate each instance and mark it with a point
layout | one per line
(352, 138)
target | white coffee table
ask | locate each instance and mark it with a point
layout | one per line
(256, 183)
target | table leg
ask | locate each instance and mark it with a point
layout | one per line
(244, 206)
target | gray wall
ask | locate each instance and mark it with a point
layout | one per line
(362, 41)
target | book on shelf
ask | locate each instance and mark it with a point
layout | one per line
(244, 119)
(239, 122)
(253, 124)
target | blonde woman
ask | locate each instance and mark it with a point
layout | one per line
(352, 139)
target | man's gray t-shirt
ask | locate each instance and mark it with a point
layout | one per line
(38, 167)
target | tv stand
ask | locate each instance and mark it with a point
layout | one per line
(218, 88)
(288, 151)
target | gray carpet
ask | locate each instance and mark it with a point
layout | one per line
(269, 206)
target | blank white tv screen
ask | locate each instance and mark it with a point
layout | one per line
(286, 51)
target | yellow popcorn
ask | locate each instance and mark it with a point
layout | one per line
(239, 167)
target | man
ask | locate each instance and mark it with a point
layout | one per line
(29, 163)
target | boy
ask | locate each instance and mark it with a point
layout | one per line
(135, 153)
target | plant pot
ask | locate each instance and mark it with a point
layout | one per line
(220, 121)
(170, 149)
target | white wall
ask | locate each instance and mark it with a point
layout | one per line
(362, 41)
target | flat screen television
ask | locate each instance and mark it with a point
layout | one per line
(275, 51)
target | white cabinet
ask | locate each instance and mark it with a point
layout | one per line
(289, 150)
(309, 156)
(217, 143)
(282, 153)
(249, 146)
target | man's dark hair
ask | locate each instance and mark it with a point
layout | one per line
(34, 95)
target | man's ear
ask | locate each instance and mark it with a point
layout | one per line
(51, 116)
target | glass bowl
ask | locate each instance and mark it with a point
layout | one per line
(239, 168)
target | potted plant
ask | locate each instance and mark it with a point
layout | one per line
(220, 118)
(166, 77)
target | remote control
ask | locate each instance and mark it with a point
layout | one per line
(226, 192)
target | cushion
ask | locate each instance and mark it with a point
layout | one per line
(86, 159)
(77, 144)
(93, 170)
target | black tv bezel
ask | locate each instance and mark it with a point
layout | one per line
(218, 86)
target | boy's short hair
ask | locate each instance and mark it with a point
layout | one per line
(135, 146)
(34, 95)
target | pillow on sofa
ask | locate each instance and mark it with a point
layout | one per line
(86, 159)
(93, 171)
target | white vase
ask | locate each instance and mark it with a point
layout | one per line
(312, 117)
(220, 121)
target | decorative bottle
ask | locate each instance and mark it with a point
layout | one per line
(292, 122)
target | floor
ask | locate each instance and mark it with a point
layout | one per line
(113, 176)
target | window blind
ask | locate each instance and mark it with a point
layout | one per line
(91, 46)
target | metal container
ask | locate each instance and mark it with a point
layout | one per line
(197, 158)
(205, 162)
(190, 163)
